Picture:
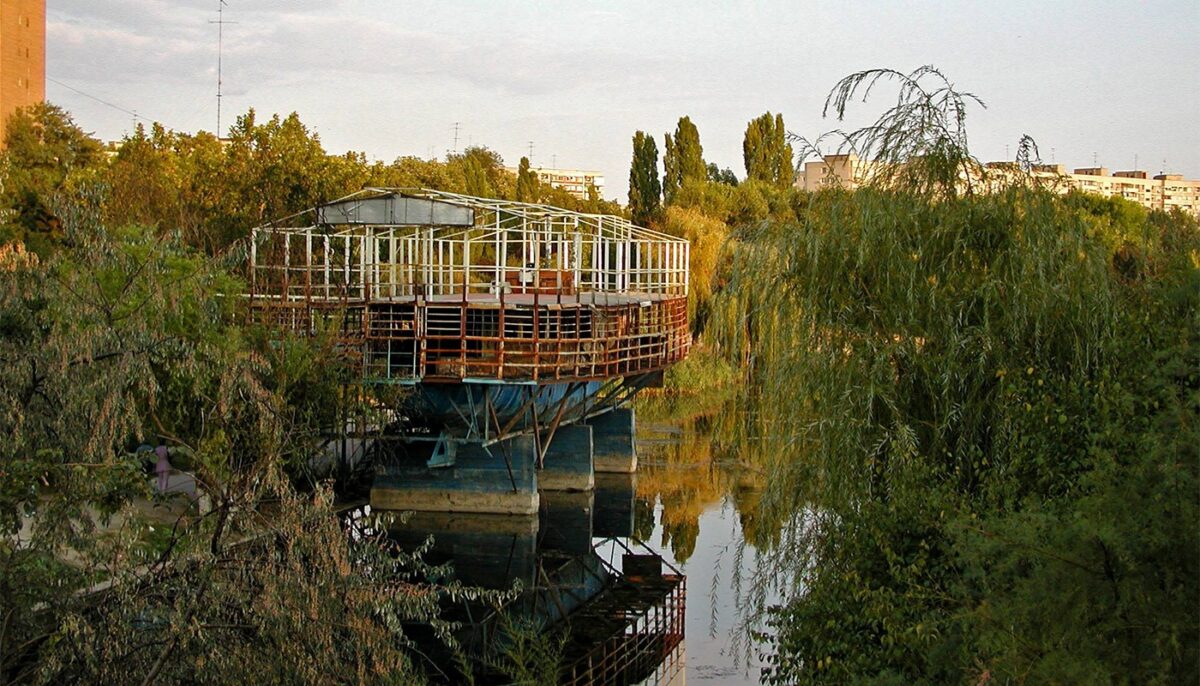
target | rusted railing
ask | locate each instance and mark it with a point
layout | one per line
(511, 292)
(635, 628)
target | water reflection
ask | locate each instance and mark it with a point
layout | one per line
(698, 506)
(694, 501)
(618, 609)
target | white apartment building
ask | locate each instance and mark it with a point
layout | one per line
(573, 181)
(1160, 192)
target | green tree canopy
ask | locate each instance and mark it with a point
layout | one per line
(645, 191)
(43, 148)
(718, 175)
(527, 183)
(766, 152)
(683, 159)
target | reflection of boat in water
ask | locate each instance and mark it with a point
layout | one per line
(618, 607)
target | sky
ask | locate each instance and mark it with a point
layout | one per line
(1110, 82)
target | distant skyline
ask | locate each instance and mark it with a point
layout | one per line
(1103, 81)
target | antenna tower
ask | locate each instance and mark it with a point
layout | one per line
(220, 22)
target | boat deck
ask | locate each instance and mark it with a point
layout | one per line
(427, 285)
(481, 336)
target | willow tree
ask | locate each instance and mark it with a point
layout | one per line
(123, 338)
(975, 413)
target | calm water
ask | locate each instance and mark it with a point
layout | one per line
(693, 505)
(692, 502)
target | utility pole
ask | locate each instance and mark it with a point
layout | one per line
(530, 152)
(220, 22)
(456, 125)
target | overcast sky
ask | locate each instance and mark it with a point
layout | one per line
(1105, 79)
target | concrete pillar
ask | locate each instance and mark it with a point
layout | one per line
(568, 463)
(614, 505)
(477, 482)
(487, 550)
(612, 440)
(565, 522)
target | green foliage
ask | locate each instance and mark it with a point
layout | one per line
(708, 238)
(718, 175)
(766, 152)
(705, 372)
(480, 171)
(527, 653)
(125, 337)
(645, 191)
(300, 603)
(43, 150)
(683, 159)
(988, 404)
(527, 183)
(920, 143)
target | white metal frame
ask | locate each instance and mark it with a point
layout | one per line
(586, 253)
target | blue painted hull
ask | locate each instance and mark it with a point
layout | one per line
(454, 404)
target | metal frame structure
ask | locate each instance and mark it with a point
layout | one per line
(429, 286)
(634, 627)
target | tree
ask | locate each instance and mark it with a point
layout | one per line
(645, 191)
(683, 159)
(766, 152)
(481, 172)
(671, 180)
(593, 199)
(527, 183)
(275, 169)
(996, 396)
(43, 148)
(718, 175)
(144, 182)
(123, 337)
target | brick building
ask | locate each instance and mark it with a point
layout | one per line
(22, 56)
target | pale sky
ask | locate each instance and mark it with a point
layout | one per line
(1088, 80)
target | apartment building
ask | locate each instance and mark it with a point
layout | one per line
(837, 171)
(573, 181)
(1160, 192)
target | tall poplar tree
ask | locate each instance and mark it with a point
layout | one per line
(683, 158)
(645, 191)
(527, 182)
(766, 152)
(671, 181)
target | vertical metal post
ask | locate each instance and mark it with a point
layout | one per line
(394, 262)
(253, 260)
(328, 259)
(287, 263)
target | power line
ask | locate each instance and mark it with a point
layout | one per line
(106, 103)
